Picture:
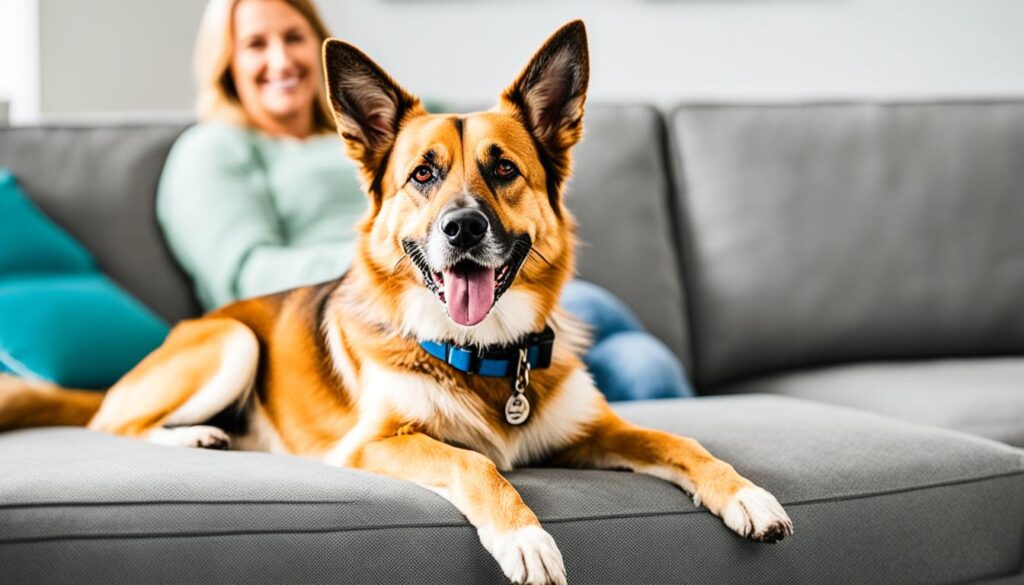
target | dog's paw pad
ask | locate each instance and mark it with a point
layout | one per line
(197, 436)
(217, 440)
(527, 555)
(757, 515)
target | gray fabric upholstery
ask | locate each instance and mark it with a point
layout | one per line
(99, 183)
(619, 194)
(105, 190)
(820, 234)
(809, 234)
(873, 500)
(984, 397)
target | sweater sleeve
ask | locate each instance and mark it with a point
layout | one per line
(218, 215)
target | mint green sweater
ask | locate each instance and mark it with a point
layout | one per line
(246, 214)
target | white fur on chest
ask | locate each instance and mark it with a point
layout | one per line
(462, 418)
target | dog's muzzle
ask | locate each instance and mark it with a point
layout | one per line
(469, 288)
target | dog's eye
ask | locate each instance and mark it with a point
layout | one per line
(422, 174)
(505, 169)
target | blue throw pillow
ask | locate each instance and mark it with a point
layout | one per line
(30, 242)
(60, 318)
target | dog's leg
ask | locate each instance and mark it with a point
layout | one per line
(26, 403)
(748, 510)
(507, 527)
(203, 367)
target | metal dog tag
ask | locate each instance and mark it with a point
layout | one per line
(517, 409)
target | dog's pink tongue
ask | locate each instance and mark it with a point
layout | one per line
(469, 294)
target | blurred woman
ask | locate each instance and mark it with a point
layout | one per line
(258, 197)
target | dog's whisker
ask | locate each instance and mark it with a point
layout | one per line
(533, 251)
(394, 269)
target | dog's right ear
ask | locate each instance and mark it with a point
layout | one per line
(369, 107)
(548, 97)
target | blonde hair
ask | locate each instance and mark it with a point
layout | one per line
(217, 99)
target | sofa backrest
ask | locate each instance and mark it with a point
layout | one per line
(817, 234)
(99, 183)
(620, 194)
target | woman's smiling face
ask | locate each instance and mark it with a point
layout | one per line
(276, 66)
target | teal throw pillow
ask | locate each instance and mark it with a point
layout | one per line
(32, 244)
(60, 318)
(80, 331)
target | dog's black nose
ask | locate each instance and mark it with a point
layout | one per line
(464, 227)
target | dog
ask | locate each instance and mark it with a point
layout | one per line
(441, 357)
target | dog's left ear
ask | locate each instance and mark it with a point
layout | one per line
(551, 89)
(369, 107)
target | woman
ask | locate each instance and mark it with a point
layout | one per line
(258, 198)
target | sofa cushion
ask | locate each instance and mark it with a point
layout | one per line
(820, 234)
(619, 194)
(873, 500)
(99, 183)
(984, 397)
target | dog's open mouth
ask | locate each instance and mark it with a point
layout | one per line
(468, 289)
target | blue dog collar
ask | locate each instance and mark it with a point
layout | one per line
(495, 361)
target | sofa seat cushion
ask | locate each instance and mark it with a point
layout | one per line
(984, 397)
(873, 500)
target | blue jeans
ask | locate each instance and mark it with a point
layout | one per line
(627, 363)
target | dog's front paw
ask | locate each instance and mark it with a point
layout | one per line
(526, 555)
(757, 515)
(197, 436)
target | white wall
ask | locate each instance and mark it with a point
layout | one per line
(116, 55)
(665, 50)
(101, 56)
(19, 59)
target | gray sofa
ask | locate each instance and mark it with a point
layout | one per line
(844, 282)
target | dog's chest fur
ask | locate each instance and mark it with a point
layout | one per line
(390, 379)
(476, 420)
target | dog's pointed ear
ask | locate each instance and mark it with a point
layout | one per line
(550, 92)
(369, 106)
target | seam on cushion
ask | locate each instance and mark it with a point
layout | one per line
(172, 503)
(893, 491)
(811, 501)
(17, 367)
(332, 502)
(1000, 579)
(214, 533)
(152, 535)
(677, 171)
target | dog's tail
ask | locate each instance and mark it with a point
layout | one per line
(30, 403)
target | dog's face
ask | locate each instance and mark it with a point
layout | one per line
(468, 236)
(474, 202)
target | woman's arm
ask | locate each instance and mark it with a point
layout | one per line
(218, 215)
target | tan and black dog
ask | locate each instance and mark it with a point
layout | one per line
(460, 264)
